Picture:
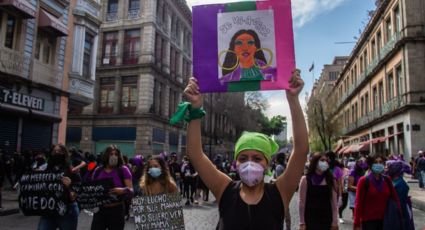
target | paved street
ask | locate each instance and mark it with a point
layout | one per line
(197, 217)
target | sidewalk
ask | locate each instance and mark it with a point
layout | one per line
(9, 202)
(418, 196)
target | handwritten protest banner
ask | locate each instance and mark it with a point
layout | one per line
(42, 194)
(243, 46)
(158, 212)
(94, 194)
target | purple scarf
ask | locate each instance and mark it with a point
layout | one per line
(376, 182)
(317, 179)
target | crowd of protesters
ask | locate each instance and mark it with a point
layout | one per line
(372, 186)
(88, 166)
(365, 184)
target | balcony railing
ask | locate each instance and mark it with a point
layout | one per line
(90, 7)
(390, 44)
(130, 58)
(80, 86)
(109, 60)
(388, 107)
(371, 67)
(352, 126)
(12, 62)
(112, 16)
(47, 74)
(133, 14)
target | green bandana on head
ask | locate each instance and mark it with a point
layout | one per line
(256, 141)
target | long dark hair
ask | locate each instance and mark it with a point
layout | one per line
(231, 59)
(371, 160)
(164, 179)
(358, 171)
(333, 161)
(107, 153)
(65, 164)
(312, 170)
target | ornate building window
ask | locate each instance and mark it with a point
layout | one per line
(129, 94)
(131, 47)
(87, 56)
(110, 42)
(107, 93)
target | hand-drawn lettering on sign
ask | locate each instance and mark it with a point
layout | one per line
(42, 194)
(94, 194)
(162, 211)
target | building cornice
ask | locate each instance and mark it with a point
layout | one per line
(378, 15)
(184, 9)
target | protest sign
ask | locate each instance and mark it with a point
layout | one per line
(162, 211)
(42, 194)
(243, 46)
(95, 194)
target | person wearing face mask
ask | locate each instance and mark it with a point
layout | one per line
(112, 216)
(250, 203)
(59, 162)
(40, 163)
(318, 206)
(356, 173)
(189, 181)
(156, 178)
(396, 169)
(373, 193)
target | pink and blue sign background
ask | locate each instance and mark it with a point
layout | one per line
(205, 46)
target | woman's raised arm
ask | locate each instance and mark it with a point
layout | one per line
(214, 179)
(287, 183)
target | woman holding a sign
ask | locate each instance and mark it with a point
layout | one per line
(112, 216)
(250, 203)
(59, 162)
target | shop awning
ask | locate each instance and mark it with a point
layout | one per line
(52, 24)
(394, 134)
(20, 7)
(378, 140)
(355, 148)
(349, 149)
(341, 151)
(339, 147)
(364, 147)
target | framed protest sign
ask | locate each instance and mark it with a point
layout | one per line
(94, 194)
(243, 46)
(42, 194)
(162, 211)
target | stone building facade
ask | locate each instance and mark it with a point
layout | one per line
(380, 92)
(319, 99)
(33, 37)
(144, 59)
(82, 45)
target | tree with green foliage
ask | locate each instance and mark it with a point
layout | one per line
(273, 126)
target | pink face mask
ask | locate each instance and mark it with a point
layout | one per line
(251, 173)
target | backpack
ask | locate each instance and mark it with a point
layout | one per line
(393, 219)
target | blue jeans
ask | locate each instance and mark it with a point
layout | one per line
(421, 178)
(67, 222)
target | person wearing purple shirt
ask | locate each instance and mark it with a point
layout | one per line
(355, 174)
(112, 216)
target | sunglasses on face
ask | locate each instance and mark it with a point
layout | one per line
(240, 42)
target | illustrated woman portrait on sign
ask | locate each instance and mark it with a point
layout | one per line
(246, 46)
